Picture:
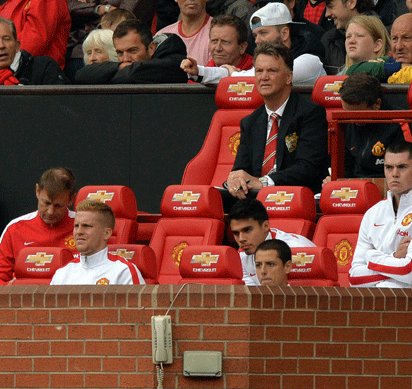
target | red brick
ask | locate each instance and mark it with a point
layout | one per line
(381, 334)
(145, 364)
(67, 316)
(106, 347)
(7, 380)
(404, 367)
(395, 382)
(86, 364)
(32, 381)
(347, 335)
(33, 348)
(50, 332)
(138, 347)
(84, 331)
(33, 316)
(50, 364)
(226, 332)
(396, 319)
(138, 381)
(331, 318)
(101, 380)
(295, 382)
(346, 366)
(145, 332)
(102, 316)
(15, 364)
(201, 316)
(15, 331)
(363, 350)
(314, 366)
(329, 382)
(235, 365)
(119, 331)
(66, 348)
(314, 334)
(67, 380)
(297, 349)
(281, 333)
(238, 316)
(404, 335)
(198, 383)
(183, 346)
(265, 317)
(257, 365)
(365, 318)
(240, 381)
(281, 365)
(363, 382)
(8, 348)
(299, 318)
(8, 316)
(396, 350)
(332, 350)
(259, 382)
(257, 333)
(119, 364)
(240, 349)
(379, 367)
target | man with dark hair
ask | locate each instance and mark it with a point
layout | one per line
(284, 142)
(51, 225)
(273, 259)
(383, 253)
(340, 11)
(249, 223)
(20, 67)
(93, 226)
(142, 60)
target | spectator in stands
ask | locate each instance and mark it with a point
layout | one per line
(340, 11)
(269, 24)
(396, 69)
(383, 252)
(167, 12)
(284, 142)
(86, 16)
(408, 4)
(113, 18)
(240, 8)
(20, 67)
(273, 259)
(42, 26)
(365, 144)
(366, 39)
(51, 225)
(249, 223)
(193, 27)
(141, 59)
(93, 226)
(98, 47)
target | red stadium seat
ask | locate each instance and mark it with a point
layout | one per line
(191, 215)
(142, 256)
(37, 265)
(290, 208)
(409, 97)
(211, 265)
(236, 97)
(343, 204)
(122, 200)
(313, 266)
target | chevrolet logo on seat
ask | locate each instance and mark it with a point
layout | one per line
(205, 259)
(186, 197)
(241, 88)
(344, 194)
(123, 253)
(335, 87)
(280, 197)
(101, 195)
(39, 259)
(301, 259)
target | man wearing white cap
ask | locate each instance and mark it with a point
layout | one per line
(272, 23)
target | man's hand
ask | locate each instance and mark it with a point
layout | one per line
(189, 65)
(403, 248)
(240, 182)
(326, 180)
(11, 282)
(230, 69)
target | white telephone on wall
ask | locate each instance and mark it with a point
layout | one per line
(162, 350)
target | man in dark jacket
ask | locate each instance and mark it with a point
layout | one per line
(142, 60)
(20, 67)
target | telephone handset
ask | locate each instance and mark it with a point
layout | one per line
(162, 339)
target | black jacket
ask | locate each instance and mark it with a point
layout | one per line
(39, 71)
(162, 68)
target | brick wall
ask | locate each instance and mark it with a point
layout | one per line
(290, 338)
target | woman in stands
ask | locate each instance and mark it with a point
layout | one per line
(366, 39)
(98, 47)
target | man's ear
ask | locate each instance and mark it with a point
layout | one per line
(107, 233)
(266, 226)
(288, 267)
(243, 47)
(37, 190)
(351, 4)
(377, 105)
(151, 49)
(285, 34)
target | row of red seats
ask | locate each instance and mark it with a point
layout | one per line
(192, 225)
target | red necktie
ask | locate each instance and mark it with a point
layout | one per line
(270, 149)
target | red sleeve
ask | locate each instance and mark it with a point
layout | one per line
(6, 258)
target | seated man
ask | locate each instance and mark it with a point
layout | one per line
(383, 252)
(365, 144)
(249, 223)
(284, 142)
(51, 225)
(20, 67)
(142, 60)
(273, 259)
(93, 226)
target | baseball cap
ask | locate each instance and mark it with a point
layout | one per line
(272, 14)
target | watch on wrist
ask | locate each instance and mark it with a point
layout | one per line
(107, 8)
(264, 181)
